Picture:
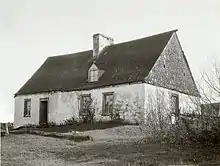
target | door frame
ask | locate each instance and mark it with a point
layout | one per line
(41, 100)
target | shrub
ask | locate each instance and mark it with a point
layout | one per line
(187, 134)
(51, 124)
(70, 121)
(10, 126)
(30, 126)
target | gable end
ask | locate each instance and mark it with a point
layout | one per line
(172, 70)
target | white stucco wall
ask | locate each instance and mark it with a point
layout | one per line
(64, 105)
(131, 98)
(59, 108)
(187, 103)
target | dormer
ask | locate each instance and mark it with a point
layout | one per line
(94, 73)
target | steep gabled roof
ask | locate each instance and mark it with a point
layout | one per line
(123, 63)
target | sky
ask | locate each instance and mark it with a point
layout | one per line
(32, 30)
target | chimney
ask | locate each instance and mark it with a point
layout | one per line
(99, 43)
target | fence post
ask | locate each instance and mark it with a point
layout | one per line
(6, 129)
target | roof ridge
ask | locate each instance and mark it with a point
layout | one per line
(116, 43)
(175, 30)
(74, 53)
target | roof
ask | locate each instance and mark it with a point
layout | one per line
(123, 63)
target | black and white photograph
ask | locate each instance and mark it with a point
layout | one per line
(109, 83)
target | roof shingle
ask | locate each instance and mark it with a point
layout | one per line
(123, 63)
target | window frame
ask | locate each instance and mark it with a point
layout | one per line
(26, 112)
(175, 110)
(104, 112)
(93, 75)
(81, 113)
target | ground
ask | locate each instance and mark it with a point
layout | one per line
(26, 149)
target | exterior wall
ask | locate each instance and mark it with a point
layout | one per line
(59, 105)
(172, 70)
(158, 96)
(64, 105)
(135, 101)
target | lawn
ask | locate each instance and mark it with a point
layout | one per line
(26, 149)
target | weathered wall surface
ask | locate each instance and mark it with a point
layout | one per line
(161, 97)
(172, 71)
(59, 104)
(64, 105)
(135, 101)
(124, 97)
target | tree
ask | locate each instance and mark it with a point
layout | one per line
(210, 85)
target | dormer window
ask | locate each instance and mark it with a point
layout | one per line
(93, 75)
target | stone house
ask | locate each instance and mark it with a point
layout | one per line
(125, 77)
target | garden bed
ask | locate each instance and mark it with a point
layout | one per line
(79, 126)
(73, 137)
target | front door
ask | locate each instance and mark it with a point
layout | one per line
(43, 112)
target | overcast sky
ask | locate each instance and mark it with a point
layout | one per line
(32, 30)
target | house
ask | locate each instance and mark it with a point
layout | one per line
(211, 109)
(126, 77)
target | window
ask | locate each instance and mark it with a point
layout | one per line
(85, 104)
(93, 75)
(27, 107)
(175, 104)
(107, 107)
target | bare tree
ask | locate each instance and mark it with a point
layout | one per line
(210, 85)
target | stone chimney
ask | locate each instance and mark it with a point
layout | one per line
(99, 43)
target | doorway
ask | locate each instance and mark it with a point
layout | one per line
(43, 118)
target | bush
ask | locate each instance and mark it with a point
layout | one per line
(70, 121)
(10, 126)
(51, 124)
(187, 134)
(30, 126)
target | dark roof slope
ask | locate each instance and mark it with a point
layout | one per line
(123, 63)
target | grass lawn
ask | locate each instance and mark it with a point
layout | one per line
(29, 149)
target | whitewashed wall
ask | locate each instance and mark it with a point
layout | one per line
(133, 98)
(187, 103)
(59, 108)
(64, 105)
